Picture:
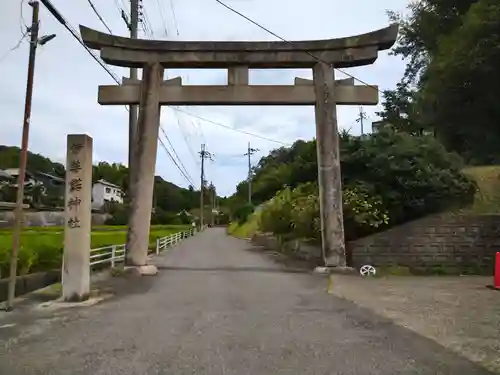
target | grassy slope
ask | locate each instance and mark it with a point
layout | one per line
(245, 230)
(487, 198)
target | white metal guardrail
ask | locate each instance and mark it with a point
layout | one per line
(116, 253)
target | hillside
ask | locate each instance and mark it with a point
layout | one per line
(9, 158)
(168, 196)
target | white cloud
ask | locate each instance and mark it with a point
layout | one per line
(66, 79)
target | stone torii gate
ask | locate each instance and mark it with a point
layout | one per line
(153, 56)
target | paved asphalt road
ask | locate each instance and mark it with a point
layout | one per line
(217, 308)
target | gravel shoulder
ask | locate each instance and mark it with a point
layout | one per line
(459, 313)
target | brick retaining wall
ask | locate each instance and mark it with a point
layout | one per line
(436, 244)
(457, 243)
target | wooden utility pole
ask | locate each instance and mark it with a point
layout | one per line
(361, 118)
(18, 212)
(212, 198)
(250, 152)
(204, 154)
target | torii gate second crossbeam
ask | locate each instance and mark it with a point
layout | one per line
(323, 56)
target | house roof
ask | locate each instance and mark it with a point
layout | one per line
(106, 183)
(6, 175)
(55, 178)
(14, 172)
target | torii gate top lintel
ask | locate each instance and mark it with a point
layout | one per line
(342, 52)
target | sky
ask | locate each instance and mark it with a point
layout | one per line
(67, 78)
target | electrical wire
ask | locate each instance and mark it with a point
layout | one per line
(231, 128)
(22, 22)
(16, 46)
(175, 152)
(68, 27)
(287, 41)
(183, 171)
(173, 160)
(99, 16)
(174, 17)
(184, 135)
(162, 17)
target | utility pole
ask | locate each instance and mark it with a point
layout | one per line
(212, 198)
(250, 152)
(361, 118)
(18, 211)
(132, 116)
(204, 154)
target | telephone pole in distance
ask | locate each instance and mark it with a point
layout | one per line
(250, 152)
(204, 154)
(361, 118)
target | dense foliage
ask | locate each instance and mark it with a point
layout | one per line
(388, 178)
(297, 211)
(451, 82)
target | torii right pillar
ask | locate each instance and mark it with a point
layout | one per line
(329, 173)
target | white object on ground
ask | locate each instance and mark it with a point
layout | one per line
(367, 270)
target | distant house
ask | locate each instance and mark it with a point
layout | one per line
(104, 191)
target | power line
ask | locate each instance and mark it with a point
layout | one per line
(175, 153)
(231, 128)
(73, 32)
(183, 171)
(22, 21)
(162, 17)
(184, 135)
(99, 16)
(16, 46)
(174, 17)
(287, 41)
(173, 160)
(68, 27)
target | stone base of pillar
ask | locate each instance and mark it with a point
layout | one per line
(336, 270)
(76, 297)
(146, 270)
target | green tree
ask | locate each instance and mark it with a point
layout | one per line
(420, 31)
(462, 91)
(412, 176)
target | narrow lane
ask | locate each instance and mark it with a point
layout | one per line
(219, 308)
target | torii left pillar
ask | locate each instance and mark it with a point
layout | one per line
(141, 189)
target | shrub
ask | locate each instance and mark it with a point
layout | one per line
(242, 212)
(297, 212)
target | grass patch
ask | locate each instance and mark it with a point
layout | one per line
(245, 230)
(487, 198)
(41, 248)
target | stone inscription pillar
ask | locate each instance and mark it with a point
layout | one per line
(78, 216)
(144, 160)
(330, 181)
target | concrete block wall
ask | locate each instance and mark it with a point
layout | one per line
(457, 243)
